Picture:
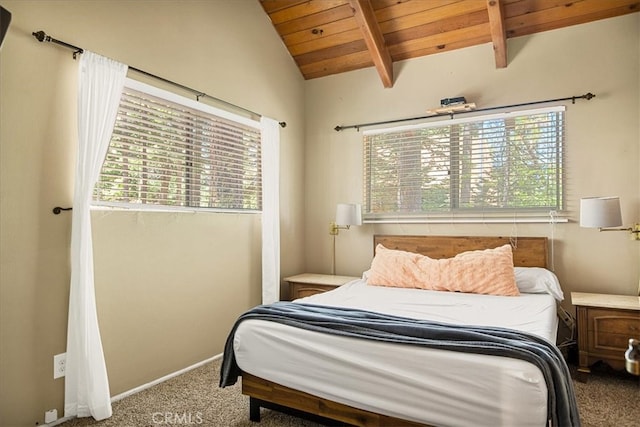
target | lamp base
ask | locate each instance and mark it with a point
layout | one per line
(334, 228)
(635, 230)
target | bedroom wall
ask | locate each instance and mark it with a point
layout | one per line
(169, 285)
(602, 142)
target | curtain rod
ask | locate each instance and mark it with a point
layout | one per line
(586, 96)
(41, 36)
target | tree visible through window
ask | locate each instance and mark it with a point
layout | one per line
(166, 153)
(482, 164)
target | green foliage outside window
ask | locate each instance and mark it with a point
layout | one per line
(482, 165)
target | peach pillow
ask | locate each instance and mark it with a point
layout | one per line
(488, 271)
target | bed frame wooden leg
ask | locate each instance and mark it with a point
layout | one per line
(254, 409)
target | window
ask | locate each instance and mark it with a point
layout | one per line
(471, 167)
(170, 151)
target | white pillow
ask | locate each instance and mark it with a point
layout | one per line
(538, 280)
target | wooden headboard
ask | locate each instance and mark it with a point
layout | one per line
(527, 251)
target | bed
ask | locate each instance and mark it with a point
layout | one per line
(373, 383)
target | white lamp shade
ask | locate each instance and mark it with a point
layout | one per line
(348, 214)
(600, 212)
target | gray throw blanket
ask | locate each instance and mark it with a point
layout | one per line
(561, 403)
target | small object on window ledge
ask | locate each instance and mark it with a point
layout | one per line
(451, 109)
(449, 102)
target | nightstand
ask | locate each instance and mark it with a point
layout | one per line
(605, 324)
(307, 284)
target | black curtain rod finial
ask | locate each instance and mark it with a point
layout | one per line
(40, 36)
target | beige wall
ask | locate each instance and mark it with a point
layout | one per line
(602, 142)
(168, 285)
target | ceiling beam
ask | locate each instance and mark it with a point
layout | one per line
(366, 18)
(498, 34)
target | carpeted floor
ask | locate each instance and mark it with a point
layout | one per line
(607, 399)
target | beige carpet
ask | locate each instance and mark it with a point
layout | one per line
(608, 399)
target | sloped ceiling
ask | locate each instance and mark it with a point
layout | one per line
(327, 37)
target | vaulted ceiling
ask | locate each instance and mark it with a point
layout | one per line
(327, 37)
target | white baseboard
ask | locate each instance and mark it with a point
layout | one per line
(163, 379)
(58, 421)
(145, 386)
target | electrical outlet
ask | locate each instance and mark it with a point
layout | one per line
(59, 365)
(51, 416)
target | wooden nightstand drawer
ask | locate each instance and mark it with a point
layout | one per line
(616, 344)
(610, 330)
(301, 290)
(305, 285)
(608, 320)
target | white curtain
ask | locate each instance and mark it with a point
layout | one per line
(270, 210)
(86, 384)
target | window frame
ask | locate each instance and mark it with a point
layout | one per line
(473, 215)
(172, 97)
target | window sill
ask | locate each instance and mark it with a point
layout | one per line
(469, 220)
(165, 209)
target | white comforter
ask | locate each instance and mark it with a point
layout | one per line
(438, 387)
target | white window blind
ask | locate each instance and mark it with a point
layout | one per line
(171, 151)
(471, 166)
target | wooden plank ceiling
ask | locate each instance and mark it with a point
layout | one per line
(327, 37)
